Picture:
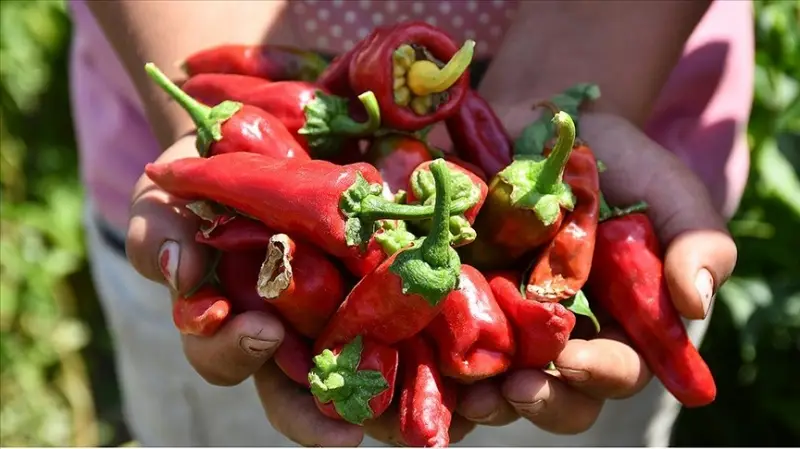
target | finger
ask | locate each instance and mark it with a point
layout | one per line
(679, 206)
(604, 368)
(292, 412)
(386, 428)
(160, 241)
(697, 263)
(549, 403)
(483, 403)
(460, 428)
(238, 349)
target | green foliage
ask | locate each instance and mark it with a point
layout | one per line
(58, 386)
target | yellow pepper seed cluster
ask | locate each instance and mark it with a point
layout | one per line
(402, 60)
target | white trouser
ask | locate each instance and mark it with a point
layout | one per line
(167, 404)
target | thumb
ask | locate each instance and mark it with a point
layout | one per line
(160, 241)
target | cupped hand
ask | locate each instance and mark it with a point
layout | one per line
(699, 257)
(161, 246)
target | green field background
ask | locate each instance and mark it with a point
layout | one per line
(56, 362)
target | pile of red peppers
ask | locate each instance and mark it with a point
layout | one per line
(400, 270)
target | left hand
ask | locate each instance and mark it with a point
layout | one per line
(700, 256)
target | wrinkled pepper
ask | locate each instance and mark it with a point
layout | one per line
(354, 382)
(320, 122)
(396, 155)
(426, 401)
(403, 65)
(479, 136)
(472, 335)
(525, 205)
(271, 62)
(232, 127)
(334, 207)
(402, 295)
(563, 266)
(202, 313)
(627, 279)
(542, 328)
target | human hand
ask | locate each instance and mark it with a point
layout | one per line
(161, 246)
(700, 256)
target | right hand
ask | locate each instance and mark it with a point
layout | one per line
(160, 245)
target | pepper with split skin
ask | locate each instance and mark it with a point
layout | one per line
(542, 328)
(627, 279)
(479, 136)
(202, 313)
(232, 127)
(354, 382)
(426, 401)
(401, 64)
(563, 266)
(472, 335)
(396, 155)
(402, 295)
(525, 205)
(271, 62)
(320, 122)
(333, 207)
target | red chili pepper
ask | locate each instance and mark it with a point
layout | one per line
(627, 279)
(202, 313)
(333, 207)
(396, 156)
(399, 64)
(320, 122)
(354, 382)
(272, 62)
(542, 328)
(479, 136)
(473, 337)
(525, 205)
(236, 234)
(336, 77)
(563, 265)
(405, 292)
(294, 357)
(426, 401)
(232, 127)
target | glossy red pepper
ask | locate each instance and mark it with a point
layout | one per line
(405, 292)
(333, 207)
(396, 156)
(202, 313)
(336, 77)
(272, 62)
(354, 382)
(627, 279)
(399, 64)
(296, 279)
(236, 234)
(525, 205)
(473, 337)
(320, 122)
(232, 127)
(426, 401)
(563, 266)
(479, 136)
(542, 328)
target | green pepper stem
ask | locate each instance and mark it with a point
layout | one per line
(436, 247)
(197, 111)
(377, 208)
(607, 212)
(345, 125)
(553, 169)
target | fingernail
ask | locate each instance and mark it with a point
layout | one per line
(256, 347)
(530, 408)
(169, 255)
(704, 283)
(574, 375)
(487, 418)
